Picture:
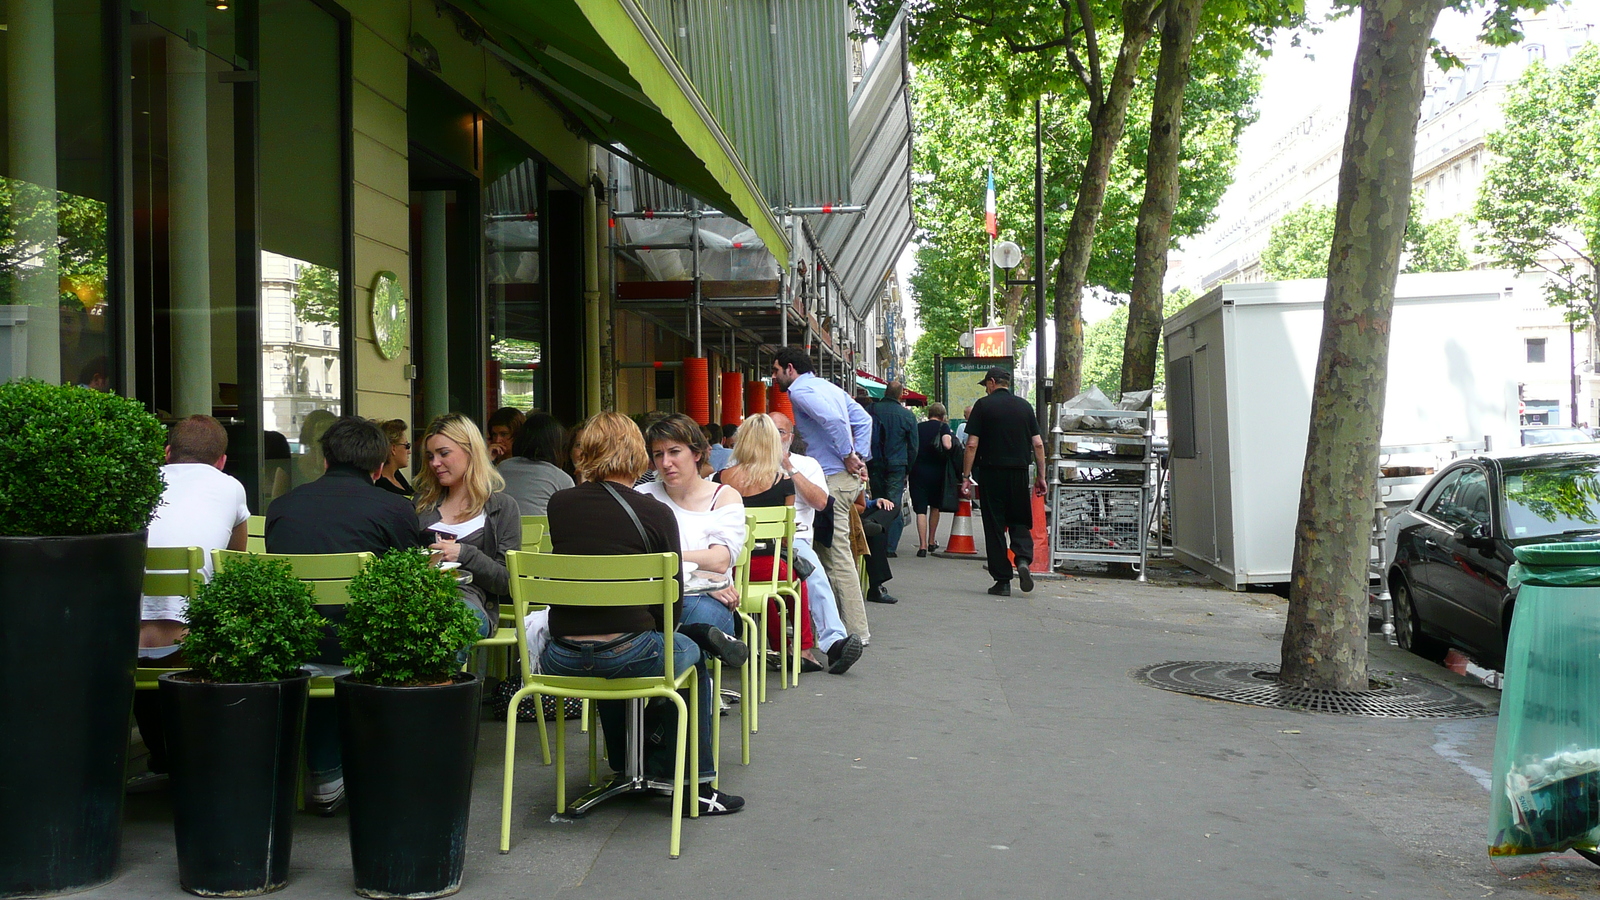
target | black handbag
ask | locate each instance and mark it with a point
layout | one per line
(500, 700)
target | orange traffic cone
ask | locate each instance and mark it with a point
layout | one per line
(961, 543)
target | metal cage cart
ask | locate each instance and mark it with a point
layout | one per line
(1101, 502)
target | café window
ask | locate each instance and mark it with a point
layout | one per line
(57, 304)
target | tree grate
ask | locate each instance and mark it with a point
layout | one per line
(1391, 695)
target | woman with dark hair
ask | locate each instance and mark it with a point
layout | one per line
(935, 445)
(393, 477)
(537, 468)
(710, 519)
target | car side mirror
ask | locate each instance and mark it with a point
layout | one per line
(1475, 535)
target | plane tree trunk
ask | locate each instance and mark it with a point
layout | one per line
(1153, 233)
(1325, 640)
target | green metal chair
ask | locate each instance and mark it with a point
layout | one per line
(256, 534)
(601, 581)
(536, 534)
(169, 572)
(328, 575)
(775, 524)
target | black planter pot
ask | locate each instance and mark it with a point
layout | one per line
(408, 757)
(235, 756)
(69, 639)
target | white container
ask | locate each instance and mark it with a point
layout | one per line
(1240, 365)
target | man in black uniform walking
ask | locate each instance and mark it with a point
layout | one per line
(1002, 434)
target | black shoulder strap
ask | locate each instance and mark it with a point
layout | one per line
(628, 508)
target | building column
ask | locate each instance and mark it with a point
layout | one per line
(31, 99)
(433, 321)
(189, 229)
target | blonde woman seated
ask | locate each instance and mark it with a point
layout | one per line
(460, 500)
(710, 519)
(758, 474)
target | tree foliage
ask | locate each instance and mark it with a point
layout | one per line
(1299, 244)
(1539, 202)
(1103, 346)
(316, 295)
(958, 137)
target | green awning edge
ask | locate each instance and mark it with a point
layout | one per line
(626, 29)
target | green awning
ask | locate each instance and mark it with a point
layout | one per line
(603, 62)
(874, 389)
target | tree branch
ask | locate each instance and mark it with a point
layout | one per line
(1011, 42)
(1091, 46)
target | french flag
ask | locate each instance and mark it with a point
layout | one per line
(991, 222)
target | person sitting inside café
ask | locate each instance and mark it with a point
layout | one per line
(200, 507)
(460, 501)
(604, 516)
(341, 512)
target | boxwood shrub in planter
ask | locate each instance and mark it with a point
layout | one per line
(408, 723)
(80, 476)
(235, 724)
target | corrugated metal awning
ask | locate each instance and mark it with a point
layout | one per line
(776, 76)
(862, 248)
(606, 65)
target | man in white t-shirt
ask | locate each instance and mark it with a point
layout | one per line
(811, 497)
(200, 507)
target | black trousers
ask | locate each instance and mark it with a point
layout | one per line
(1007, 510)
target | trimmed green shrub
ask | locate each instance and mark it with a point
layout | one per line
(75, 461)
(253, 622)
(405, 622)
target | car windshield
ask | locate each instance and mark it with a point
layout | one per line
(1534, 436)
(1554, 499)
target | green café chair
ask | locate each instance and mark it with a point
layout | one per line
(256, 534)
(775, 525)
(644, 579)
(536, 534)
(168, 572)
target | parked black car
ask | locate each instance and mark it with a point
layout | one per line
(1449, 552)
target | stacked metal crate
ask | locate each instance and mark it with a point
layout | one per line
(1102, 502)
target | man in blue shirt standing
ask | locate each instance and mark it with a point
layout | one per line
(838, 433)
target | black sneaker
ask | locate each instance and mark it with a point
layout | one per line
(1001, 589)
(715, 803)
(843, 654)
(729, 649)
(1024, 578)
(921, 552)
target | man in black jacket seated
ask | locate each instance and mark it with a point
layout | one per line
(341, 512)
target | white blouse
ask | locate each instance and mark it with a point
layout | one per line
(702, 530)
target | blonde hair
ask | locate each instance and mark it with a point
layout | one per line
(481, 479)
(609, 446)
(757, 451)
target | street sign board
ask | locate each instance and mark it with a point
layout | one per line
(991, 342)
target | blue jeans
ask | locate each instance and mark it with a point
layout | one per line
(639, 656)
(708, 609)
(825, 619)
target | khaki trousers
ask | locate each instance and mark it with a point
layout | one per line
(839, 562)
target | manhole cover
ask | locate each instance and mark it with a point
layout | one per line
(1391, 695)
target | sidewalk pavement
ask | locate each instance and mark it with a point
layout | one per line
(999, 748)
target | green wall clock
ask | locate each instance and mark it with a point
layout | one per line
(388, 314)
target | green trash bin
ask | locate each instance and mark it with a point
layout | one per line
(1545, 796)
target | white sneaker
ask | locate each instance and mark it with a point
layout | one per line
(325, 799)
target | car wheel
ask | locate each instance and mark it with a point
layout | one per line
(1407, 626)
